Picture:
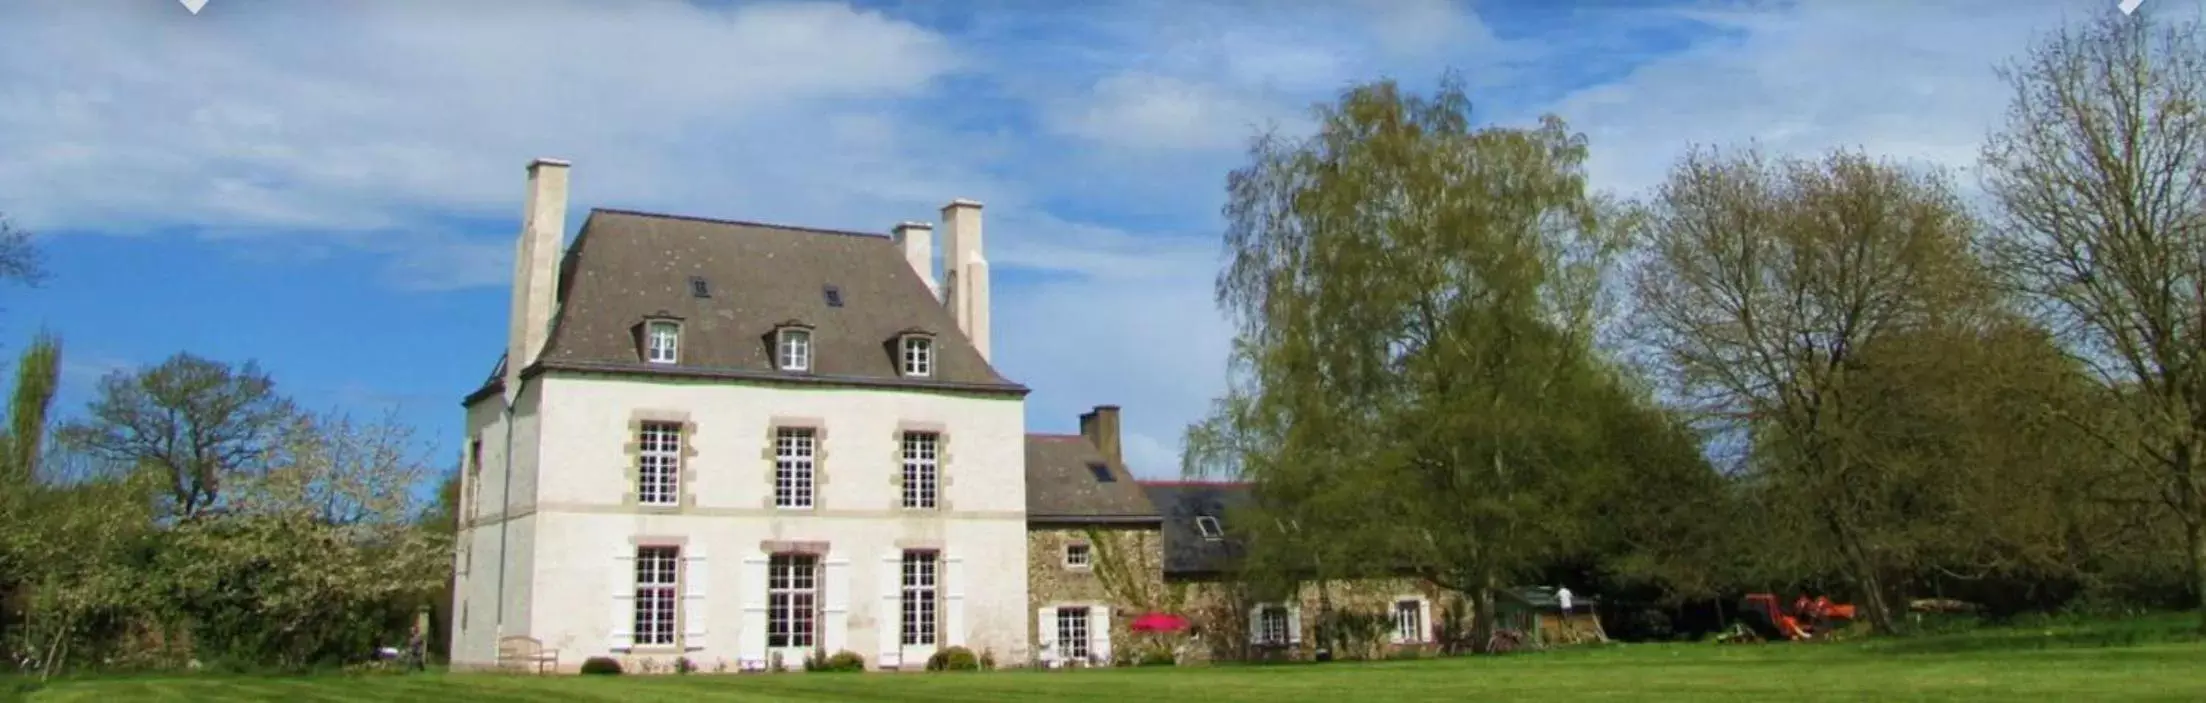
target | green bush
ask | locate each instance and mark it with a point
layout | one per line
(953, 659)
(1156, 657)
(841, 662)
(682, 665)
(601, 666)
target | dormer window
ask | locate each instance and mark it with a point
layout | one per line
(917, 355)
(793, 350)
(662, 341)
(1209, 528)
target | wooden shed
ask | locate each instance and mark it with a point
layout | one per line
(1535, 611)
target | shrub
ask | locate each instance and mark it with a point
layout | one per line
(988, 660)
(601, 666)
(682, 665)
(840, 662)
(953, 659)
(1156, 657)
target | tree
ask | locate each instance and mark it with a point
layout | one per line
(198, 422)
(37, 374)
(2099, 187)
(20, 260)
(1415, 301)
(317, 556)
(1765, 281)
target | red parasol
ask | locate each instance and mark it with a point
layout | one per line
(1159, 622)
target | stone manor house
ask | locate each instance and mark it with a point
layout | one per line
(736, 442)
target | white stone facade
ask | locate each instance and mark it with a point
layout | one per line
(577, 528)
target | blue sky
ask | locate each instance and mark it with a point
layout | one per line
(332, 188)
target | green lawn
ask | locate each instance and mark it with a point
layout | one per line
(2064, 664)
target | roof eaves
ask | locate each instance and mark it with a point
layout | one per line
(813, 379)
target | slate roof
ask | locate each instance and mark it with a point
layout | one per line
(625, 266)
(1062, 485)
(1186, 551)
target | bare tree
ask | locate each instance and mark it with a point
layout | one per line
(20, 259)
(2100, 194)
(197, 421)
(1765, 281)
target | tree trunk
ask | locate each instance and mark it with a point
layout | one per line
(2196, 532)
(1483, 616)
(1874, 601)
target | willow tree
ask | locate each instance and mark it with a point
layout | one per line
(2099, 182)
(1415, 301)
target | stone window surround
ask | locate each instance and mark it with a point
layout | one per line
(943, 477)
(1066, 554)
(681, 588)
(818, 426)
(686, 499)
(1424, 608)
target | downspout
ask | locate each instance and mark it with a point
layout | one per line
(505, 501)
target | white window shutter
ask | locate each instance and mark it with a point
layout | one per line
(622, 617)
(696, 580)
(1424, 620)
(1045, 631)
(889, 615)
(1256, 625)
(835, 625)
(751, 636)
(953, 608)
(1294, 624)
(1099, 633)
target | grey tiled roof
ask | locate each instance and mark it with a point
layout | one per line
(1186, 551)
(625, 266)
(1061, 483)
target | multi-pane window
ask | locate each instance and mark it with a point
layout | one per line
(794, 451)
(922, 469)
(659, 463)
(920, 586)
(656, 595)
(1271, 625)
(918, 356)
(662, 339)
(1409, 621)
(1078, 556)
(792, 600)
(1072, 633)
(795, 350)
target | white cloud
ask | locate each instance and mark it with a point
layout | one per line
(1146, 111)
(362, 115)
(1913, 81)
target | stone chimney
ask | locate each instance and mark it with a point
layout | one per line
(917, 241)
(1100, 426)
(536, 267)
(965, 272)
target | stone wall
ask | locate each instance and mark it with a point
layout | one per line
(1221, 611)
(1125, 573)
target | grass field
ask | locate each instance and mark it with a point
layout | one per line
(2136, 660)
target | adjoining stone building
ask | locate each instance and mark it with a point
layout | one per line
(1094, 551)
(1370, 618)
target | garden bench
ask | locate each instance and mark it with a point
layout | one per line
(520, 652)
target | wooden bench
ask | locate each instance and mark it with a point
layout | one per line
(518, 653)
